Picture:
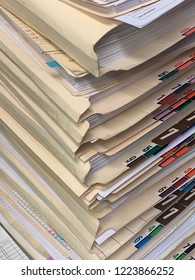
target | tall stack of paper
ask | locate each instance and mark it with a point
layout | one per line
(97, 129)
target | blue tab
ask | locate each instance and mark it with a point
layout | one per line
(53, 64)
(143, 242)
(188, 187)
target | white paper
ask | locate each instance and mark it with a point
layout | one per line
(9, 250)
(146, 15)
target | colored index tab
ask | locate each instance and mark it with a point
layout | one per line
(53, 64)
(191, 174)
(170, 214)
(153, 151)
(188, 198)
(181, 257)
(180, 182)
(167, 99)
(143, 242)
(169, 116)
(169, 75)
(156, 230)
(167, 192)
(189, 249)
(178, 103)
(162, 114)
(169, 200)
(167, 162)
(168, 135)
(182, 151)
(191, 95)
(190, 31)
(165, 155)
(188, 120)
(184, 86)
(184, 105)
(186, 64)
(136, 162)
(188, 187)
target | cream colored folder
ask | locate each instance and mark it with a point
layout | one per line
(49, 49)
(128, 251)
(114, 198)
(77, 132)
(84, 47)
(121, 95)
(29, 229)
(81, 170)
(58, 149)
(110, 224)
(67, 143)
(104, 223)
(77, 167)
(71, 147)
(115, 242)
(39, 150)
(45, 103)
(119, 164)
(43, 78)
(142, 226)
(35, 223)
(43, 96)
(78, 158)
(51, 218)
(91, 195)
(84, 188)
(55, 200)
(20, 233)
(131, 116)
(90, 86)
(133, 246)
(63, 204)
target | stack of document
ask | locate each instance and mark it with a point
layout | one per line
(97, 131)
(109, 8)
(114, 45)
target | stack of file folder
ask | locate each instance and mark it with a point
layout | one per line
(97, 130)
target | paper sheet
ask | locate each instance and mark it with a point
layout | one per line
(9, 250)
(146, 15)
